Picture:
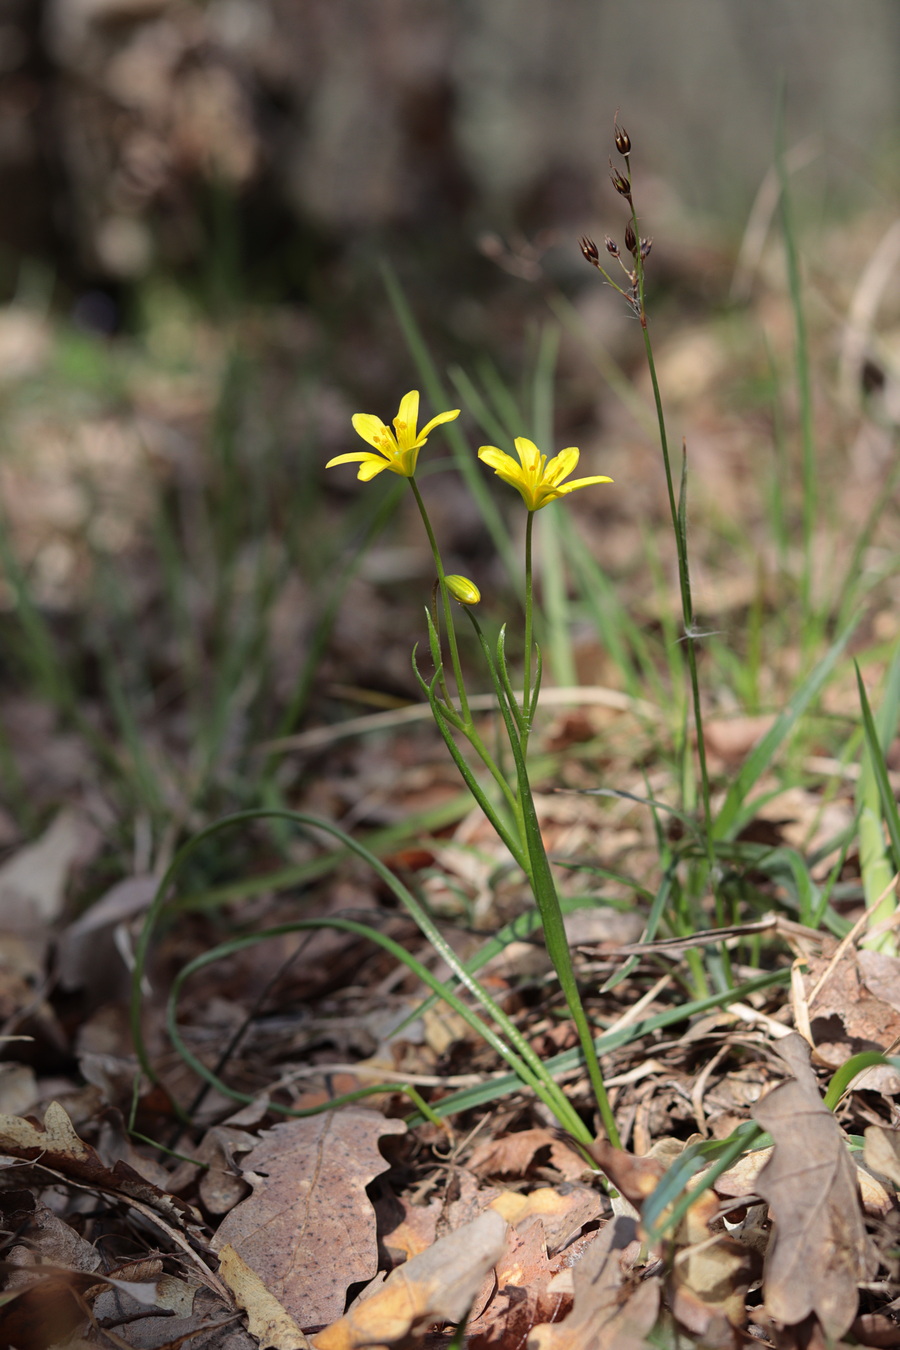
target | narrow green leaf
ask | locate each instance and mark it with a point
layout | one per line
(765, 750)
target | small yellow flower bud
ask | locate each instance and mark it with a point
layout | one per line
(463, 590)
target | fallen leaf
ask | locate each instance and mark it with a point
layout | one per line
(33, 881)
(437, 1286)
(562, 1214)
(850, 1012)
(882, 1152)
(87, 946)
(57, 1146)
(266, 1318)
(514, 1155)
(636, 1177)
(818, 1251)
(308, 1229)
(406, 1229)
(608, 1313)
(522, 1299)
(45, 1311)
(711, 1272)
(732, 738)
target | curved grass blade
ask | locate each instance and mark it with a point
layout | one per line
(570, 1060)
(402, 893)
(536, 1082)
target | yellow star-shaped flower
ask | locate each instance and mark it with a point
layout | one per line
(538, 481)
(397, 450)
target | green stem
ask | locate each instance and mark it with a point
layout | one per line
(544, 890)
(445, 597)
(679, 526)
(529, 619)
(801, 356)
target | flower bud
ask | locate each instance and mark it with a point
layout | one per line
(463, 590)
(590, 250)
(621, 184)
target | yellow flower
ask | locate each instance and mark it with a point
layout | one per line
(538, 481)
(463, 590)
(397, 450)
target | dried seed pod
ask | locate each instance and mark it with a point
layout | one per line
(631, 239)
(621, 184)
(623, 140)
(646, 245)
(612, 247)
(590, 250)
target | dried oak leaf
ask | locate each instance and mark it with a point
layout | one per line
(819, 1251)
(522, 1298)
(609, 1311)
(563, 1213)
(308, 1229)
(267, 1320)
(57, 1147)
(439, 1285)
(515, 1155)
(711, 1273)
(635, 1177)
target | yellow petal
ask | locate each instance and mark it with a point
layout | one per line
(582, 482)
(407, 417)
(369, 427)
(561, 466)
(350, 458)
(496, 459)
(372, 466)
(436, 422)
(529, 454)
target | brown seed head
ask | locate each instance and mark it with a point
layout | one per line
(590, 250)
(612, 247)
(621, 184)
(631, 239)
(646, 245)
(623, 140)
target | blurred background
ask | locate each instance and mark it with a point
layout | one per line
(199, 200)
(321, 121)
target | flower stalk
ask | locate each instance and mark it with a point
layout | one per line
(539, 480)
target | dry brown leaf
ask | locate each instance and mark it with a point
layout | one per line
(406, 1229)
(522, 1299)
(818, 1251)
(850, 1012)
(731, 738)
(740, 1180)
(636, 1177)
(711, 1273)
(266, 1318)
(308, 1229)
(514, 1155)
(607, 1313)
(33, 881)
(46, 1311)
(437, 1286)
(882, 1152)
(58, 1147)
(562, 1214)
(880, 973)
